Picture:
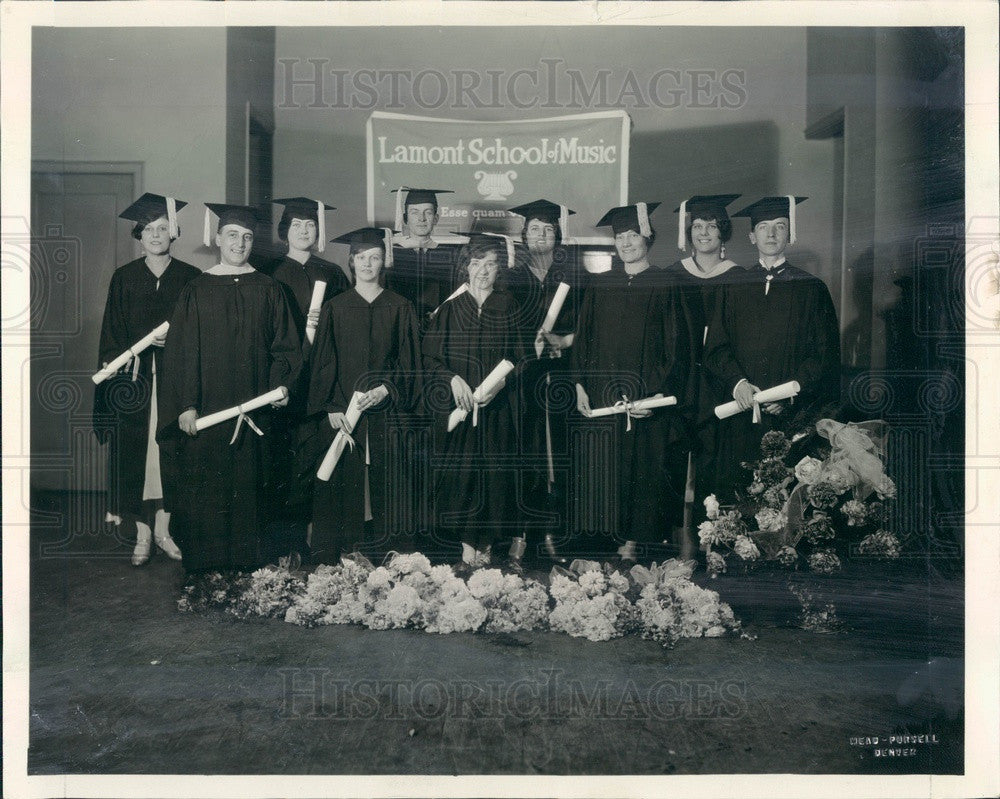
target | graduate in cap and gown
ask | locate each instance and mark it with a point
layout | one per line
(777, 325)
(543, 262)
(423, 269)
(367, 341)
(303, 228)
(232, 338)
(140, 298)
(704, 227)
(475, 471)
(634, 340)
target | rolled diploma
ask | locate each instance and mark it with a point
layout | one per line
(489, 384)
(319, 289)
(131, 352)
(336, 449)
(211, 419)
(553, 313)
(639, 405)
(773, 394)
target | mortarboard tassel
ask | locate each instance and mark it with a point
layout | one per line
(172, 217)
(388, 247)
(510, 247)
(643, 213)
(564, 222)
(791, 219)
(681, 222)
(208, 227)
(321, 226)
(399, 209)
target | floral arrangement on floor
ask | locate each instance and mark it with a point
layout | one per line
(810, 511)
(590, 601)
(671, 607)
(587, 600)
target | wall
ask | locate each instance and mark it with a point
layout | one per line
(757, 148)
(134, 94)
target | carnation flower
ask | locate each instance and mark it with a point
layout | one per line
(886, 488)
(772, 471)
(379, 578)
(756, 487)
(729, 525)
(824, 561)
(787, 556)
(593, 583)
(745, 548)
(822, 495)
(617, 582)
(775, 496)
(818, 528)
(708, 534)
(855, 510)
(715, 563)
(838, 476)
(881, 543)
(807, 470)
(770, 520)
(711, 507)
(775, 444)
(486, 583)
(681, 609)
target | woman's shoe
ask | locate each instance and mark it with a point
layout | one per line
(517, 550)
(143, 542)
(161, 534)
(550, 550)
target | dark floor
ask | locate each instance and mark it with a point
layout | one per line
(123, 683)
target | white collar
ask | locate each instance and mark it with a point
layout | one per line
(412, 243)
(720, 268)
(223, 269)
(779, 262)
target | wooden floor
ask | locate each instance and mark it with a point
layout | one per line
(123, 683)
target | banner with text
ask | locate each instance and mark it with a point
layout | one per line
(580, 161)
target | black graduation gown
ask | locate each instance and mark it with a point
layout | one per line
(789, 332)
(546, 383)
(301, 434)
(703, 426)
(138, 301)
(634, 338)
(231, 339)
(424, 277)
(474, 469)
(360, 345)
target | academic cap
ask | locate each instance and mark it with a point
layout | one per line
(151, 207)
(773, 208)
(306, 208)
(414, 196)
(701, 206)
(629, 217)
(546, 211)
(495, 240)
(242, 215)
(366, 237)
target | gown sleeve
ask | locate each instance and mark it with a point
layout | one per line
(285, 349)
(681, 347)
(113, 334)
(408, 375)
(323, 380)
(719, 360)
(818, 373)
(582, 342)
(181, 363)
(434, 361)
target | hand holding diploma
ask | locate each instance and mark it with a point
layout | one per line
(767, 397)
(545, 331)
(157, 334)
(312, 319)
(484, 392)
(346, 423)
(639, 409)
(275, 397)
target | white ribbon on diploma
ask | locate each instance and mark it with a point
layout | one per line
(550, 318)
(132, 352)
(773, 394)
(239, 412)
(490, 384)
(342, 439)
(624, 406)
(319, 290)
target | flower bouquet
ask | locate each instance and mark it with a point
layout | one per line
(331, 594)
(671, 607)
(809, 511)
(590, 601)
(512, 603)
(267, 593)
